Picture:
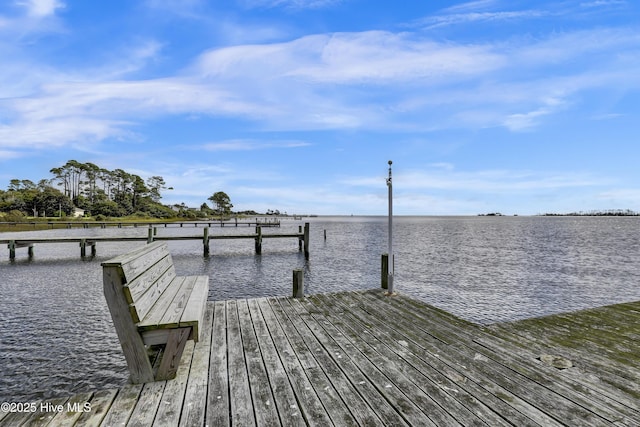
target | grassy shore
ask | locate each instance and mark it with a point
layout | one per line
(35, 224)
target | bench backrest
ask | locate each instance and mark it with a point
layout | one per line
(145, 274)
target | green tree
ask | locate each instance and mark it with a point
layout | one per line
(155, 184)
(53, 202)
(222, 203)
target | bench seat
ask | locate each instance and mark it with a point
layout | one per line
(152, 306)
(179, 309)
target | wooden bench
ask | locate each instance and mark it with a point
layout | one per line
(151, 306)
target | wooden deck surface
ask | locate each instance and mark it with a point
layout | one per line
(360, 358)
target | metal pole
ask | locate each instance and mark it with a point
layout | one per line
(391, 257)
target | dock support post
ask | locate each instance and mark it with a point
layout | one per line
(205, 241)
(150, 236)
(298, 283)
(306, 240)
(12, 245)
(384, 271)
(300, 238)
(83, 247)
(258, 240)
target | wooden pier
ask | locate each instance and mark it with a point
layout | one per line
(268, 222)
(90, 242)
(361, 358)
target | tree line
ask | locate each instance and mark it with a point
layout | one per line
(100, 192)
(86, 186)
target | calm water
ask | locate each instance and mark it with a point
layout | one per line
(57, 337)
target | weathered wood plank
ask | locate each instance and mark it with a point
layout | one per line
(359, 395)
(46, 412)
(172, 353)
(174, 312)
(442, 406)
(73, 409)
(338, 359)
(195, 308)
(329, 396)
(315, 414)
(403, 395)
(153, 319)
(134, 288)
(132, 344)
(144, 413)
(557, 400)
(218, 405)
(11, 419)
(264, 406)
(239, 390)
(170, 407)
(100, 404)
(284, 397)
(450, 372)
(194, 408)
(123, 405)
(425, 369)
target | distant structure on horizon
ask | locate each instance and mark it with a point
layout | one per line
(610, 212)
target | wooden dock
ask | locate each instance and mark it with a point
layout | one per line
(268, 222)
(28, 242)
(361, 358)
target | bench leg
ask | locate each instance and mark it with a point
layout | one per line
(172, 353)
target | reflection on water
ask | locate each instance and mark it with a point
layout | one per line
(57, 336)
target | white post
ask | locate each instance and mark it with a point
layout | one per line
(391, 258)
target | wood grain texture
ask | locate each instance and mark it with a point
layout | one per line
(362, 358)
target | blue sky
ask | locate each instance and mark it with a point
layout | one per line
(510, 106)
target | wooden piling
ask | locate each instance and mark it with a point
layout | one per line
(298, 283)
(205, 241)
(12, 249)
(300, 238)
(150, 236)
(258, 240)
(306, 240)
(384, 271)
(13, 245)
(83, 247)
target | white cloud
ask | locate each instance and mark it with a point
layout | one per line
(471, 17)
(343, 58)
(8, 154)
(292, 4)
(472, 5)
(621, 197)
(604, 3)
(372, 80)
(482, 181)
(41, 8)
(250, 145)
